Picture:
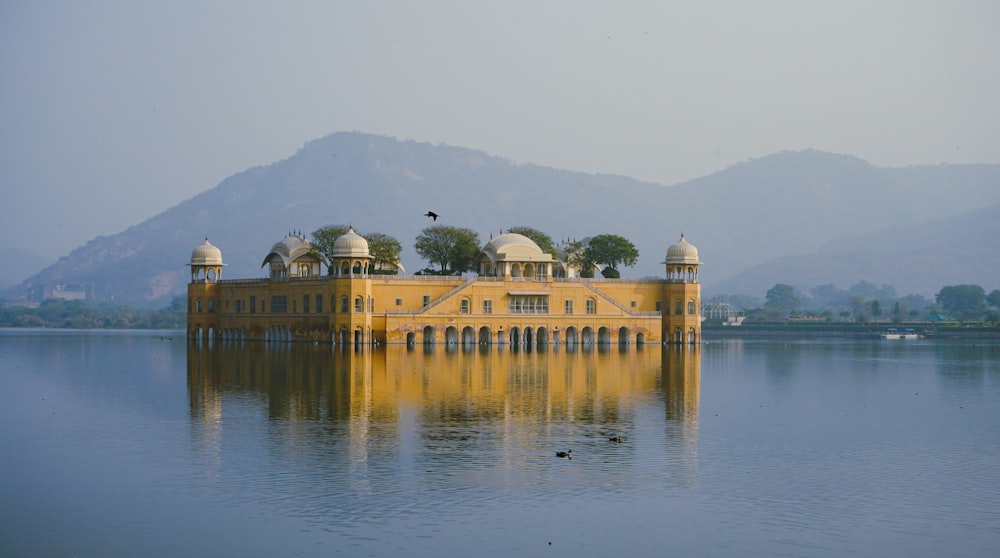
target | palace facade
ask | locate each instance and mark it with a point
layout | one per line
(521, 296)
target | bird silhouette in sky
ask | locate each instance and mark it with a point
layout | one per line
(432, 215)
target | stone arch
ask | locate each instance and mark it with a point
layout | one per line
(604, 335)
(692, 337)
(451, 335)
(529, 271)
(587, 336)
(515, 270)
(468, 336)
(542, 336)
(623, 335)
(411, 338)
(572, 336)
(529, 337)
(515, 336)
(640, 339)
(485, 336)
(428, 335)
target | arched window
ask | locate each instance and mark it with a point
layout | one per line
(359, 304)
(466, 304)
(678, 307)
(692, 308)
(343, 304)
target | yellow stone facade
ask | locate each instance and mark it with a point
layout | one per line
(521, 297)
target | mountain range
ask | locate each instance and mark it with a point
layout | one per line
(803, 218)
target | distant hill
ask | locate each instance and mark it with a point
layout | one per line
(915, 259)
(784, 204)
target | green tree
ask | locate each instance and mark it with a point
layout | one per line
(898, 310)
(384, 250)
(858, 308)
(782, 297)
(452, 249)
(609, 250)
(992, 317)
(876, 309)
(324, 237)
(993, 299)
(965, 301)
(543, 240)
(828, 295)
(612, 250)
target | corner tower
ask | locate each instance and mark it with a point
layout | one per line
(206, 269)
(350, 267)
(681, 311)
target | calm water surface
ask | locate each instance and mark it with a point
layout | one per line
(135, 444)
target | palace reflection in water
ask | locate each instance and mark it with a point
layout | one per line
(422, 405)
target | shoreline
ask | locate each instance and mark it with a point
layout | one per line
(844, 330)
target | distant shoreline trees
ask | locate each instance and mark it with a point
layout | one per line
(864, 302)
(79, 314)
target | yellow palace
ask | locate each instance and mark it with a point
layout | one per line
(521, 296)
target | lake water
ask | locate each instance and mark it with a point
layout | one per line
(135, 444)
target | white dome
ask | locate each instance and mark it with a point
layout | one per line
(206, 254)
(350, 245)
(291, 248)
(682, 252)
(514, 247)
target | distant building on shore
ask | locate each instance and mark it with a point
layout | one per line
(521, 296)
(67, 291)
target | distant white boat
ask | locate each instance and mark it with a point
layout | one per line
(893, 333)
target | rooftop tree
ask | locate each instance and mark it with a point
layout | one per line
(609, 250)
(384, 250)
(452, 249)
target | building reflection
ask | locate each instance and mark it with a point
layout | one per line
(385, 400)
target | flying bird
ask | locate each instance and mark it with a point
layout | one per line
(432, 215)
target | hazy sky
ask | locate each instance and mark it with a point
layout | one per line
(111, 112)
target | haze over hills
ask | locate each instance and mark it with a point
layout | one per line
(27, 263)
(915, 259)
(789, 203)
